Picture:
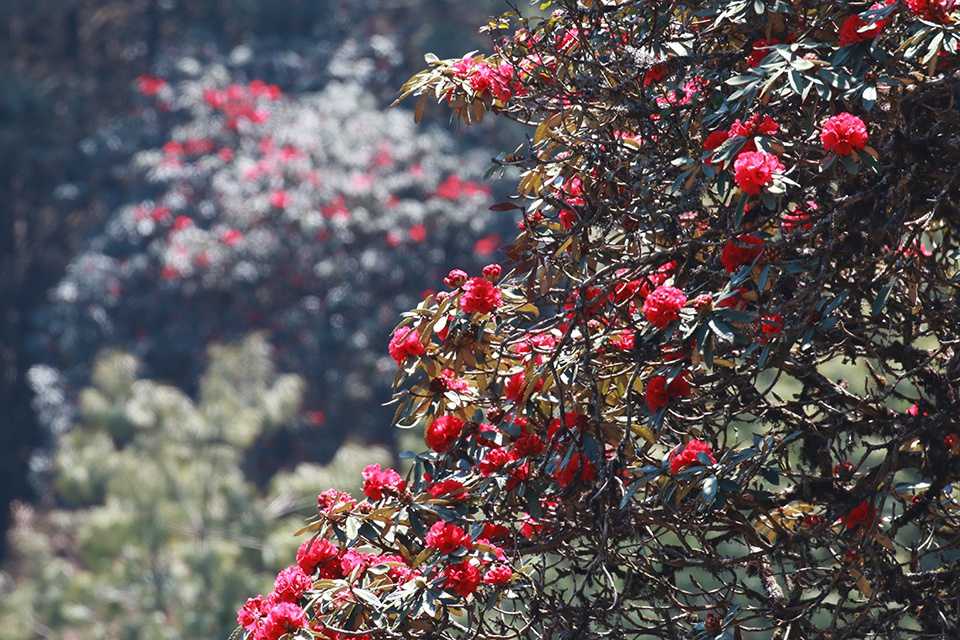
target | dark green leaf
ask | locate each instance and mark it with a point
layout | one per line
(709, 490)
(722, 330)
(852, 167)
(881, 300)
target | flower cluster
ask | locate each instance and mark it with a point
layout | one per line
(279, 613)
(658, 393)
(843, 134)
(741, 133)
(756, 170)
(690, 454)
(485, 79)
(855, 29)
(744, 250)
(663, 306)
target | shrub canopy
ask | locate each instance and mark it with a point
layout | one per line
(712, 394)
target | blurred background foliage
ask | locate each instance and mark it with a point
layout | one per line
(158, 531)
(143, 496)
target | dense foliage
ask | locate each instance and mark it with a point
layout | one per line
(646, 425)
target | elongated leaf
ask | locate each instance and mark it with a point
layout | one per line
(881, 300)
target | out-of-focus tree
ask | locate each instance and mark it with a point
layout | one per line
(157, 530)
(307, 216)
(65, 70)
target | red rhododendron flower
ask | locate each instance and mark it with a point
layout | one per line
(567, 473)
(150, 86)
(291, 583)
(494, 531)
(447, 537)
(404, 344)
(932, 10)
(449, 487)
(231, 237)
(498, 574)
(494, 461)
(481, 77)
(332, 499)
(529, 444)
(455, 278)
(754, 170)
(279, 199)
(573, 422)
(461, 578)
(713, 142)
(492, 272)
(480, 296)
(283, 618)
(759, 52)
(356, 561)
(861, 514)
(688, 455)
(735, 255)
(663, 306)
(442, 432)
(754, 125)
(448, 381)
(798, 218)
(517, 474)
(251, 613)
(624, 341)
(844, 133)
(658, 394)
(855, 30)
(771, 325)
(375, 481)
(182, 222)
(315, 552)
(516, 386)
(486, 245)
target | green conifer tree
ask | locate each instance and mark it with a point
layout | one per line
(156, 531)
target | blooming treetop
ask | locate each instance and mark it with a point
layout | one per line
(724, 206)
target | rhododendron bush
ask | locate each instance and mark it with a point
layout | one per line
(712, 393)
(312, 214)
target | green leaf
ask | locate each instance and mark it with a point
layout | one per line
(836, 302)
(740, 208)
(848, 164)
(737, 81)
(352, 527)
(735, 316)
(368, 597)
(722, 330)
(881, 300)
(633, 489)
(709, 490)
(764, 276)
(835, 79)
(869, 96)
(795, 79)
(707, 351)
